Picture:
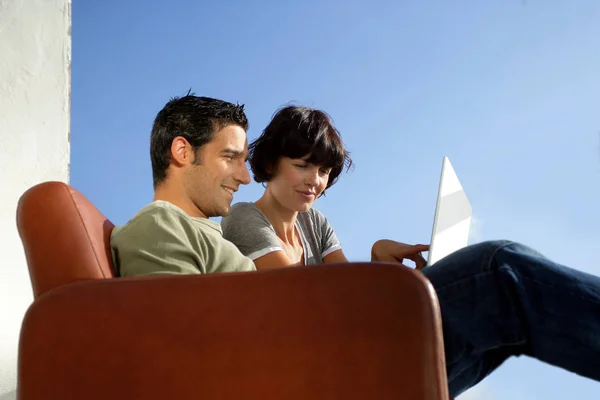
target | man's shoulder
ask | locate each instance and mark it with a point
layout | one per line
(164, 217)
(155, 213)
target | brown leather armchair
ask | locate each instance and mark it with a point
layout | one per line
(353, 331)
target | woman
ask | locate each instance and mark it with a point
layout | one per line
(498, 299)
(299, 156)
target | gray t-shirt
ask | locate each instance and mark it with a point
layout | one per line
(254, 235)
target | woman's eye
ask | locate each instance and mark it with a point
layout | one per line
(325, 171)
(301, 165)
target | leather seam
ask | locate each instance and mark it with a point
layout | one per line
(87, 233)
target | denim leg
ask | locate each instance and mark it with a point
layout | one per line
(501, 299)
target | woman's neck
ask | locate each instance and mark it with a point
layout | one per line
(282, 219)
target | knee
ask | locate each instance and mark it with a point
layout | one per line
(491, 247)
(487, 253)
(494, 246)
(507, 253)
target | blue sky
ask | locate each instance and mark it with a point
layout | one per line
(509, 90)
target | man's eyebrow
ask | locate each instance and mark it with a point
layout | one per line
(235, 153)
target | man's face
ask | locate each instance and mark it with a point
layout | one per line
(210, 184)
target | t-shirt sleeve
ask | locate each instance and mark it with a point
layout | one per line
(160, 242)
(328, 239)
(250, 231)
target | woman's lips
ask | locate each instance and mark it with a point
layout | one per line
(306, 195)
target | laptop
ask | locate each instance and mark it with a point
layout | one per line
(452, 220)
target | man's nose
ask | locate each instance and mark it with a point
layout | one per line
(243, 175)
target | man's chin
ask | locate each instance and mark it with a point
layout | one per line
(224, 211)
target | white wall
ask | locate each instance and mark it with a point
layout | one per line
(35, 70)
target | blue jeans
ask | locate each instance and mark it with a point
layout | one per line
(500, 299)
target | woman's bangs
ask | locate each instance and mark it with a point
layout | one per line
(324, 149)
(327, 152)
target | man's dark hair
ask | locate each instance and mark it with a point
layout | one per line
(296, 132)
(196, 119)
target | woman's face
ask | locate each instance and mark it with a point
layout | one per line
(296, 184)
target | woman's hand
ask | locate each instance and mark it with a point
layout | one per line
(396, 252)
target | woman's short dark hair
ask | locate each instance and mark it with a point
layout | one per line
(297, 132)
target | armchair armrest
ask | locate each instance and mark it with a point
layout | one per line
(352, 331)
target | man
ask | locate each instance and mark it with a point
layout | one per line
(498, 299)
(198, 149)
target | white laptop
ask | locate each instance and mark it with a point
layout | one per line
(452, 220)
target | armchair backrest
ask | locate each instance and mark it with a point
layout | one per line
(65, 237)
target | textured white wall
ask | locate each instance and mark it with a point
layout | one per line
(35, 70)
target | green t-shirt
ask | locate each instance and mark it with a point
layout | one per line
(162, 239)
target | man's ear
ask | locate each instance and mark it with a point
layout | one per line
(181, 151)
